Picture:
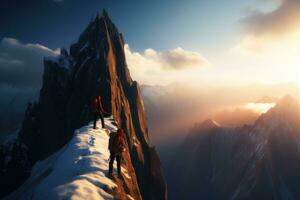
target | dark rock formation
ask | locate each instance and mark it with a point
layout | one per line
(14, 166)
(95, 65)
(260, 161)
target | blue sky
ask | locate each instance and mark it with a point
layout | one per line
(160, 24)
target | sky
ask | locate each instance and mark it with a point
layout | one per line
(157, 24)
(233, 41)
(215, 43)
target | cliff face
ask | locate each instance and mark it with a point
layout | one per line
(95, 65)
(260, 161)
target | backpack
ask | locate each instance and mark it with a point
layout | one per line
(96, 107)
(116, 143)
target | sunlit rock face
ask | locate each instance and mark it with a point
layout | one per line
(259, 161)
(94, 65)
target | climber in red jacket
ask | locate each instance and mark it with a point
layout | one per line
(116, 147)
(98, 110)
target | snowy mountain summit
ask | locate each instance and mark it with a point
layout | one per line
(78, 171)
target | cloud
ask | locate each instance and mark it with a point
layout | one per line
(178, 59)
(21, 64)
(175, 59)
(236, 118)
(278, 22)
(172, 109)
(21, 68)
(259, 107)
(276, 30)
(150, 66)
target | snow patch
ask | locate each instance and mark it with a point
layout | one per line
(62, 61)
(77, 171)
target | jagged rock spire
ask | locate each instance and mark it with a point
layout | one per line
(98, 67)
(105, 14)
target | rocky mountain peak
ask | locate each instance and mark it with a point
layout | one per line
(102, 42)
(95, 65)
(287, 102)
(101, 27)
(207, 125)
(104, 16)
(287, 109)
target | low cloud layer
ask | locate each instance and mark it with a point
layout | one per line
(21, 68)
(151, 65)
(172, 110)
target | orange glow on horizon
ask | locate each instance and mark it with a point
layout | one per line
(259, 107)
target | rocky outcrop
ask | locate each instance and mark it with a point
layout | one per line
(14, 166)
(94, 65)
(260, 161)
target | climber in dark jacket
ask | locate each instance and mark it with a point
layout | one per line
(116, 148)
(98, 110)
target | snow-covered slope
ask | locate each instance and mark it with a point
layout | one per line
(77, 171)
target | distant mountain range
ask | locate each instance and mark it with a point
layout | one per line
(259, 161)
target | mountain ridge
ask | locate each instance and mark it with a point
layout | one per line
(259, 161)
(94, 65)
(79, 169)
